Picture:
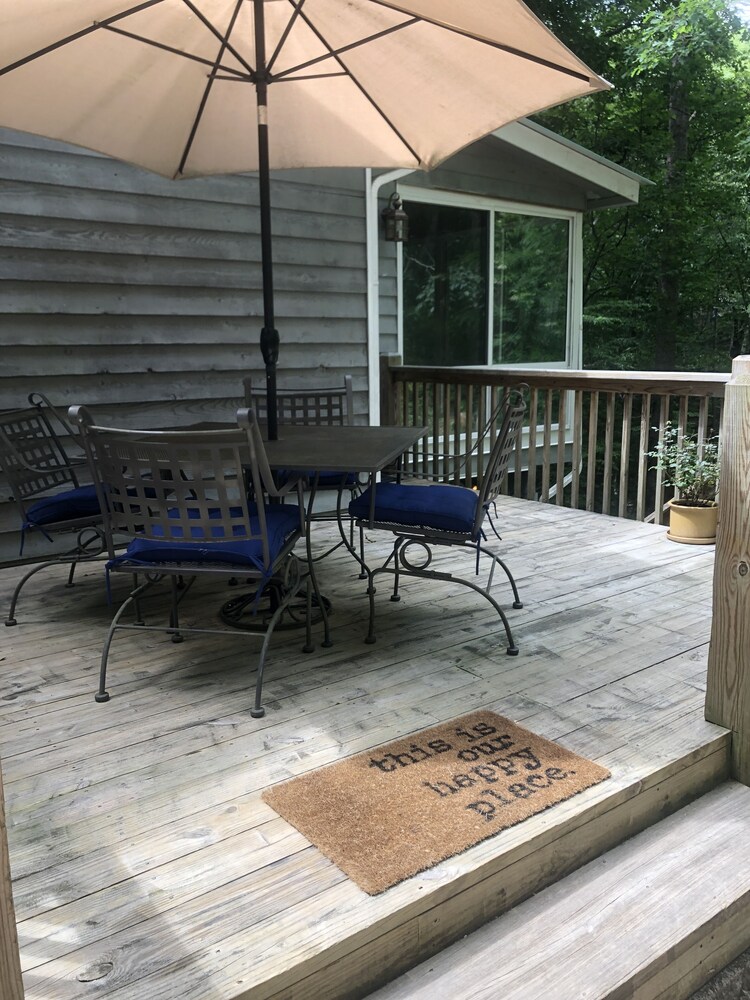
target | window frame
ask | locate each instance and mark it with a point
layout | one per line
(574, 324)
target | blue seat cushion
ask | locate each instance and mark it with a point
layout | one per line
(282, 520)
(68, 506)
(446, 508)
(334, 480)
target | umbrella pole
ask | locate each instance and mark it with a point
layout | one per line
(269, 336)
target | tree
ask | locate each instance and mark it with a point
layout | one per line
(664, 283)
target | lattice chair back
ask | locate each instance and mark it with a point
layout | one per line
(46, 489)
(510, 417)
(196, 502)
(180, 489)
(323, 406)
(32, 456)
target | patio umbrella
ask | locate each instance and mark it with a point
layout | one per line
(190, 88)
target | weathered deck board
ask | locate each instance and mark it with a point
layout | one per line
(144, 860)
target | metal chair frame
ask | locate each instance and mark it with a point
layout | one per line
(329, 406)
(36, 464)
(191, 488)
(510, 414)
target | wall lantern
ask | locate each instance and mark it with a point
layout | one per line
(396, 220)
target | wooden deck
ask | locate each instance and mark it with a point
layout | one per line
(146, 865)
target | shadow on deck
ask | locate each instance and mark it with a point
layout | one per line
(145, 863)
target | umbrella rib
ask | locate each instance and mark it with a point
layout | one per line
(207, 91)
(78, 34)
(224, 39)
(539, 60)
(334, 55)
(284, 35)
(235, 74)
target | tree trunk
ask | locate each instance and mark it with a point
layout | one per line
(670, 311)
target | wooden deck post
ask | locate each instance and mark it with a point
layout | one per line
(11, 986)
(728, 687)
(388, 414)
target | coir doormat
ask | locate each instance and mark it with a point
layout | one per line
(389, 813)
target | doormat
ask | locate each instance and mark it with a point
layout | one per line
(389, 813)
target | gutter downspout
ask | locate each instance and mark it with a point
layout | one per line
(372, 223)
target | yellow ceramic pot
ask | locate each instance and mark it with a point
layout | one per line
(693, 525)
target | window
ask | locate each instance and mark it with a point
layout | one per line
(484, 283)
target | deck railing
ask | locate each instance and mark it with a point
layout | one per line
(587, 437)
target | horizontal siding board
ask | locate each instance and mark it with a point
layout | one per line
(38, 266)
(52, 297)
(172, 331)
(112, 361)
(164, 389)
(289, 214)
(303, 245)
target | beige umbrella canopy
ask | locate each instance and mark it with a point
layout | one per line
(195, 87)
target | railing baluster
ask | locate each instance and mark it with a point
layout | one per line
(643, 460)
(546, 446)
(518, 466)
(577, 448)
(457, 433)
(531, 493)
(445, 447)
(591, 453)
(609, 435)
(703, 420)
(624, 482)
(659, 495)
(561, 429)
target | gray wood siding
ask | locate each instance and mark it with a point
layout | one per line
(141, 296)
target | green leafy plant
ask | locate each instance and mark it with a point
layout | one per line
(692, 468)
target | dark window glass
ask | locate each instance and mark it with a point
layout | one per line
(530, 311)
(445, 285)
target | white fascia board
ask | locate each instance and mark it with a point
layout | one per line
(574, 160)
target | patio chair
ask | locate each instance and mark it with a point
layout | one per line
(332, 406)
(181, 497)
(45, 482)
(424, 516)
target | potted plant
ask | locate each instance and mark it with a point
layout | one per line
(692, 469)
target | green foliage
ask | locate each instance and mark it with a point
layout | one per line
(692, 468)
(667, 283)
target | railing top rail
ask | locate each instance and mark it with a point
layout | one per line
(657, 383)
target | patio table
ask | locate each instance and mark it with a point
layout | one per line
(322, 448)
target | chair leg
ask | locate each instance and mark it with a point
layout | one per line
(395, 596)
(11, 619)
(312, 576)
(102, 694)
(308, 647)
(424, 574)
(517, 602)
(370, 637)
(258, 711)
(174, 615)
(363, 571)
(70, 575)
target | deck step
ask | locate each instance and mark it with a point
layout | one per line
(652, 919)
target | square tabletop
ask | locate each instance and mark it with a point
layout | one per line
(340, 449)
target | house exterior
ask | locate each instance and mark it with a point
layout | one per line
(141, 296)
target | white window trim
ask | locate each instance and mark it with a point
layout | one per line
(574, 319)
